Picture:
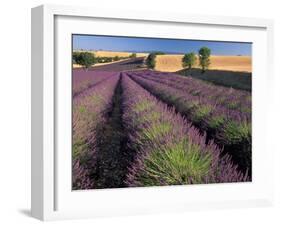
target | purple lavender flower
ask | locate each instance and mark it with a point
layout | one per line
(169, 150)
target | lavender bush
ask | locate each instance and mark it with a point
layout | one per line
(83, 80)
(230, 128)
(217, 95)
(168, 149)
(89, 109)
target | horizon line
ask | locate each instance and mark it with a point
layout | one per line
(165, 52)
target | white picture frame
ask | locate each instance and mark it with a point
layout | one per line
(51, 198)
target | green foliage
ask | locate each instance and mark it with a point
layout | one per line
(234, 79)
(109, 59)
(201, 111)
(150, 61)
(189, 60)
(204, 58)
(153, 116)
(216, 121)
(85, 59)
(104, 59)
(233, 105)
(82, 109)
(116, 58)
(133, 55)
(159, 53)
(79, 147)
(237, 132)
(156, 129)
(175, 164)
(75, 56)
(143, 106)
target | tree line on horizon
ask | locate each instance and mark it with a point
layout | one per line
(87, 59)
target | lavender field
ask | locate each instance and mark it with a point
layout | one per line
(149, 111)
(135, 127)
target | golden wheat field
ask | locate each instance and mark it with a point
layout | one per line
(171, 63)
(113, 54)
(119, 54)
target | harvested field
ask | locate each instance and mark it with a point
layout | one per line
(113, 54)
(119, 54)
(172, 63)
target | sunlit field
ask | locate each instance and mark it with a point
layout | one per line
(159, 119)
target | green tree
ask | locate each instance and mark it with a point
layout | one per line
(204, 58)
(116, 58)
(133, 55)
(150, 61)
(75, 56)
(189, 60)
(86, 59)
(159, 53)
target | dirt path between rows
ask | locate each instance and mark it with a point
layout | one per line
(113, 154)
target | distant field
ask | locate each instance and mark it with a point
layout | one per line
(234, 79)
(119, 54)
(76, 66)
(113, 54)
(110, 54)
(172, 63)
(99, 64)
(121, 65)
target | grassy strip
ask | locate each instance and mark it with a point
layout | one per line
(237, 80)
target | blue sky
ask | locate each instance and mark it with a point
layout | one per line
(111, 43)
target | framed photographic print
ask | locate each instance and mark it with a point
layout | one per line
(137, 112)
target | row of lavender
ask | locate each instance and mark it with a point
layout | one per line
(89, 112)
(168, 150)
(86, 79)
(228, 127)
(230, 98)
